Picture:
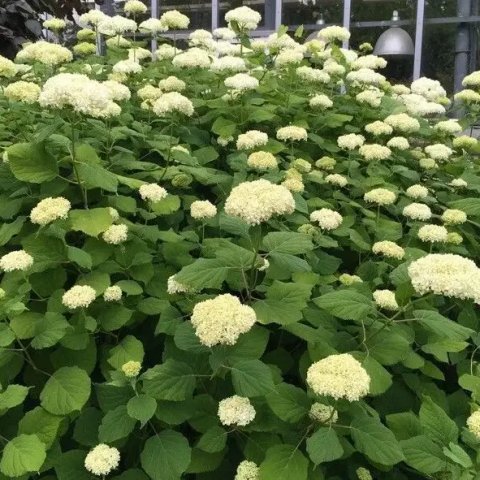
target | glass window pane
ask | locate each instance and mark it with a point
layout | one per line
(309, 12)
(440, 8)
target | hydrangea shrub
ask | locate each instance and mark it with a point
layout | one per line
(245, 259)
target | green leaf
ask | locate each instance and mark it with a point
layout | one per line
(92, 222)
(345, 304)
(95, 176)
(13, 395)
(213, 440)
(203, 273)
(284, 303)
(9, 230)
(252, 378)
(287, 242)
(436, 424)
(128, 349)
(50, 330)
(324, 446)
(423, 454)
(471, 206)
(376, 441)
(442, 326)
(80, 257)
(71, 466)
(168, 205)
(166, 456)
(284, 462)
(42, 424)
(66, 391)
(458, 455)
(31, 163)
(21, 455)
(171, 380)
(114, 317)
(116, 424)
(142, 408)
(288, 402)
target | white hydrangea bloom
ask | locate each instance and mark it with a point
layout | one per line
(388, 249)
(320, 101)
(102, 459)
(446, 274)
(288, 57)
(50, 209)
(224, 33)
(8, 69)
(473, 421)
(374, 151)
(417, 211)
(347, 279)
(453, 216)
(79, 296)
(112, 294)
(251, 139)
(418, 105)
(134, 7)
(18, 260)
(433, 234)
(152, 192)
(115, 234)
(326, 218)
(242, 81)
(339, 376)
(262, 161)
(380, 196)
(131, 369)
(430, 89)
(228, 63)
(292, 133)
(448, 126)
(438, 151)
(365, 76)
(201, 209)
(372, 96)
(465, 142)
(118, 92)
(458, 183)
(293, 184)
(236, 410)
(174, 20)
(403, 123)
(247, 471)
(245, 17)
(167, 51)
(153, 26)
(467, 96)
(350, 141)
(51, 54)
(369, 61)
(336, 179)
(92, 17)
(417, 191)
(334, 32)
(137, 54)
(127, 67)
(258, 201)
(400, 143)
(172, 102)
(192, 58)
(323, 413)
(117, 25)
(221, 320)
(385, 299)
(26, 92)
(378, 128)
(149, 92)
(313, 75)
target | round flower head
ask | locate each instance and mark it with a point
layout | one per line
(428, 163)
(294, 184)
(365, 76)
(433, 234)
(302, 166)
(473, 423)
(174, 20)
(224, 33)
(454, 217)
(400, 143)
(374, 151)
(417, 191)
(192, 58)
(363, 474)
(334, 33)
(351, 141)
(236, 410)
(314, 75)
(242, 81)
(201, 209)
(339, 376)
(131, 369)
(102, 459)
(258, 201)
(166, 51)
(428, 88)
(446, 274)
(448, 126)
(173, 102)
(152, 26)
(244, 17)
(18, 260)
(149, 92)
(336, 179)
(127, 67)
(288, 57)
(115, 234)
(378, 128)
(247, 471)
(152, 192)
(137, 54)
(54, 24)
(79, 296)
(454, 238)
(92, 17)
(417, 211)
(385, 299)
(326, 218)
(134, 7)
(323, 413)
(380, 196)
(458, 183)
(7, 67)
(372, 96)
(251, 139)
(84, 48)
(51, 54)
(172, 84)
(262, 161)
(388, 249)
(49, 210)
(438, 151)
(347, 279)
(291, 133)
(403, 123)
(221, 320)
(228, 64)
(26, 92)
(467, 96)
(112, 294)
(118, 92)
(320, 101)
(465, 142)
(326, 163)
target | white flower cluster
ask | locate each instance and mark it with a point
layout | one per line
(334, 32)
(221, 320)
(326, 218)
(112, 294)
(258, 201)
(288, 57)
(134, 7)
(417, 211)
(320, 101)
(446, 274)
(417, 191)
(388, 249)
(241, 82)
(468, 96)
(312, 75)
(247, 470)
(26, 92)
(385, 299)
(51, 54)
(430, 89)
(251, 139)
(372, 96)
(174, 20)
(50, 209)
(473, 422)
(102, 459)
(433, 234)
(117, 25)
(262, 161)
(369, 61)
(92, 17)
(192, 58)
(7, 68)
(115, 234)
(459, 183)
(236, 410)
(202, 209)
(166, 51)
(336, 179)
(18, 260)
(339, 376)
(448, 126)
(365, 76)
(292, 133)
(378, 128)
(453, 216)
(400, 143)
(152, 25)
(403, 123)
(127, 67)
(380, 196)
(118, 92)
(244, 17)
(79, 296)
(350, 141)
(172, 102)
(418, 105)
(152, 192)
(438, 151)
(79, 92)
(228, 64)
(131, 369)
(374, 151)
(323, 413)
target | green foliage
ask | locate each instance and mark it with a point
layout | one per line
(126, 362)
